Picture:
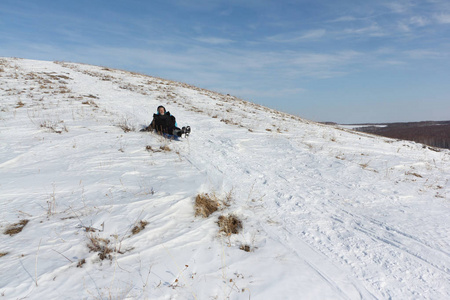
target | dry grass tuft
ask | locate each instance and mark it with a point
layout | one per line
(150, 149)
(20, 104)
(16, 228)
(80, 263)
(205, 205)
(139, 227)
(100, 245)
(3, 254)
(54, 126)
(364, 165)
(90, 102)
(162, 148)
(125, 126)
(413, 174)
(229, 224)
(245, 248)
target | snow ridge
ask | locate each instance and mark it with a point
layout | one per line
(327, 213)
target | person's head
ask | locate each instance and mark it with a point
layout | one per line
(161, 110)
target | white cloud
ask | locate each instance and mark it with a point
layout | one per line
(399, 8)
(403, 27)
(423, 54)
(294, 37)
(393, 62)
(443, 18)
(214, 40)
(373, 30)
(343, 19)
(418, 21)
(313, 34)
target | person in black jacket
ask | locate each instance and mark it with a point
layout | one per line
(164, 123)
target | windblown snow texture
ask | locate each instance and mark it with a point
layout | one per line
(327, 213)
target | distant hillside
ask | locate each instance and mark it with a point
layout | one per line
(432, 133)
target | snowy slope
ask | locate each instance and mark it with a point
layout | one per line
(327, 213)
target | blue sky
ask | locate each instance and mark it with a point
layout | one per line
(324, 60)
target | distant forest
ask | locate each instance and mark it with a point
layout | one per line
(431, 133)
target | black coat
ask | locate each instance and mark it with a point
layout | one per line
(163, 123)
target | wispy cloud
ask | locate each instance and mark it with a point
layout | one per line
(423, 54)
(373, 30)
(325, 65)
(214, 40)
(419, 21)
(443, 18)
(294, 37)
(343, 19)
(399, 7)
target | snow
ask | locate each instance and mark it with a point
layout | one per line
(328, 213)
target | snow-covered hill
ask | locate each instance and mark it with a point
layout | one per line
(91, 208)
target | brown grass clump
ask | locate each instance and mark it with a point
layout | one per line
(56, 127)
(81, 262)
(229, 224)
(125, 126)
(413, 174)
(139, 227)
(245, 248)
(16, 228)
(90, 102)
(3, 254)
(100, 245)
(205, 205)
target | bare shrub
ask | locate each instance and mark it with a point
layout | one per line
(20, 104)
(229, 224)
(205, 205)
(3, 254)
(16, 227)
(139, 227)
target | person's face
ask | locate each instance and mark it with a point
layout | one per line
(161, 111)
